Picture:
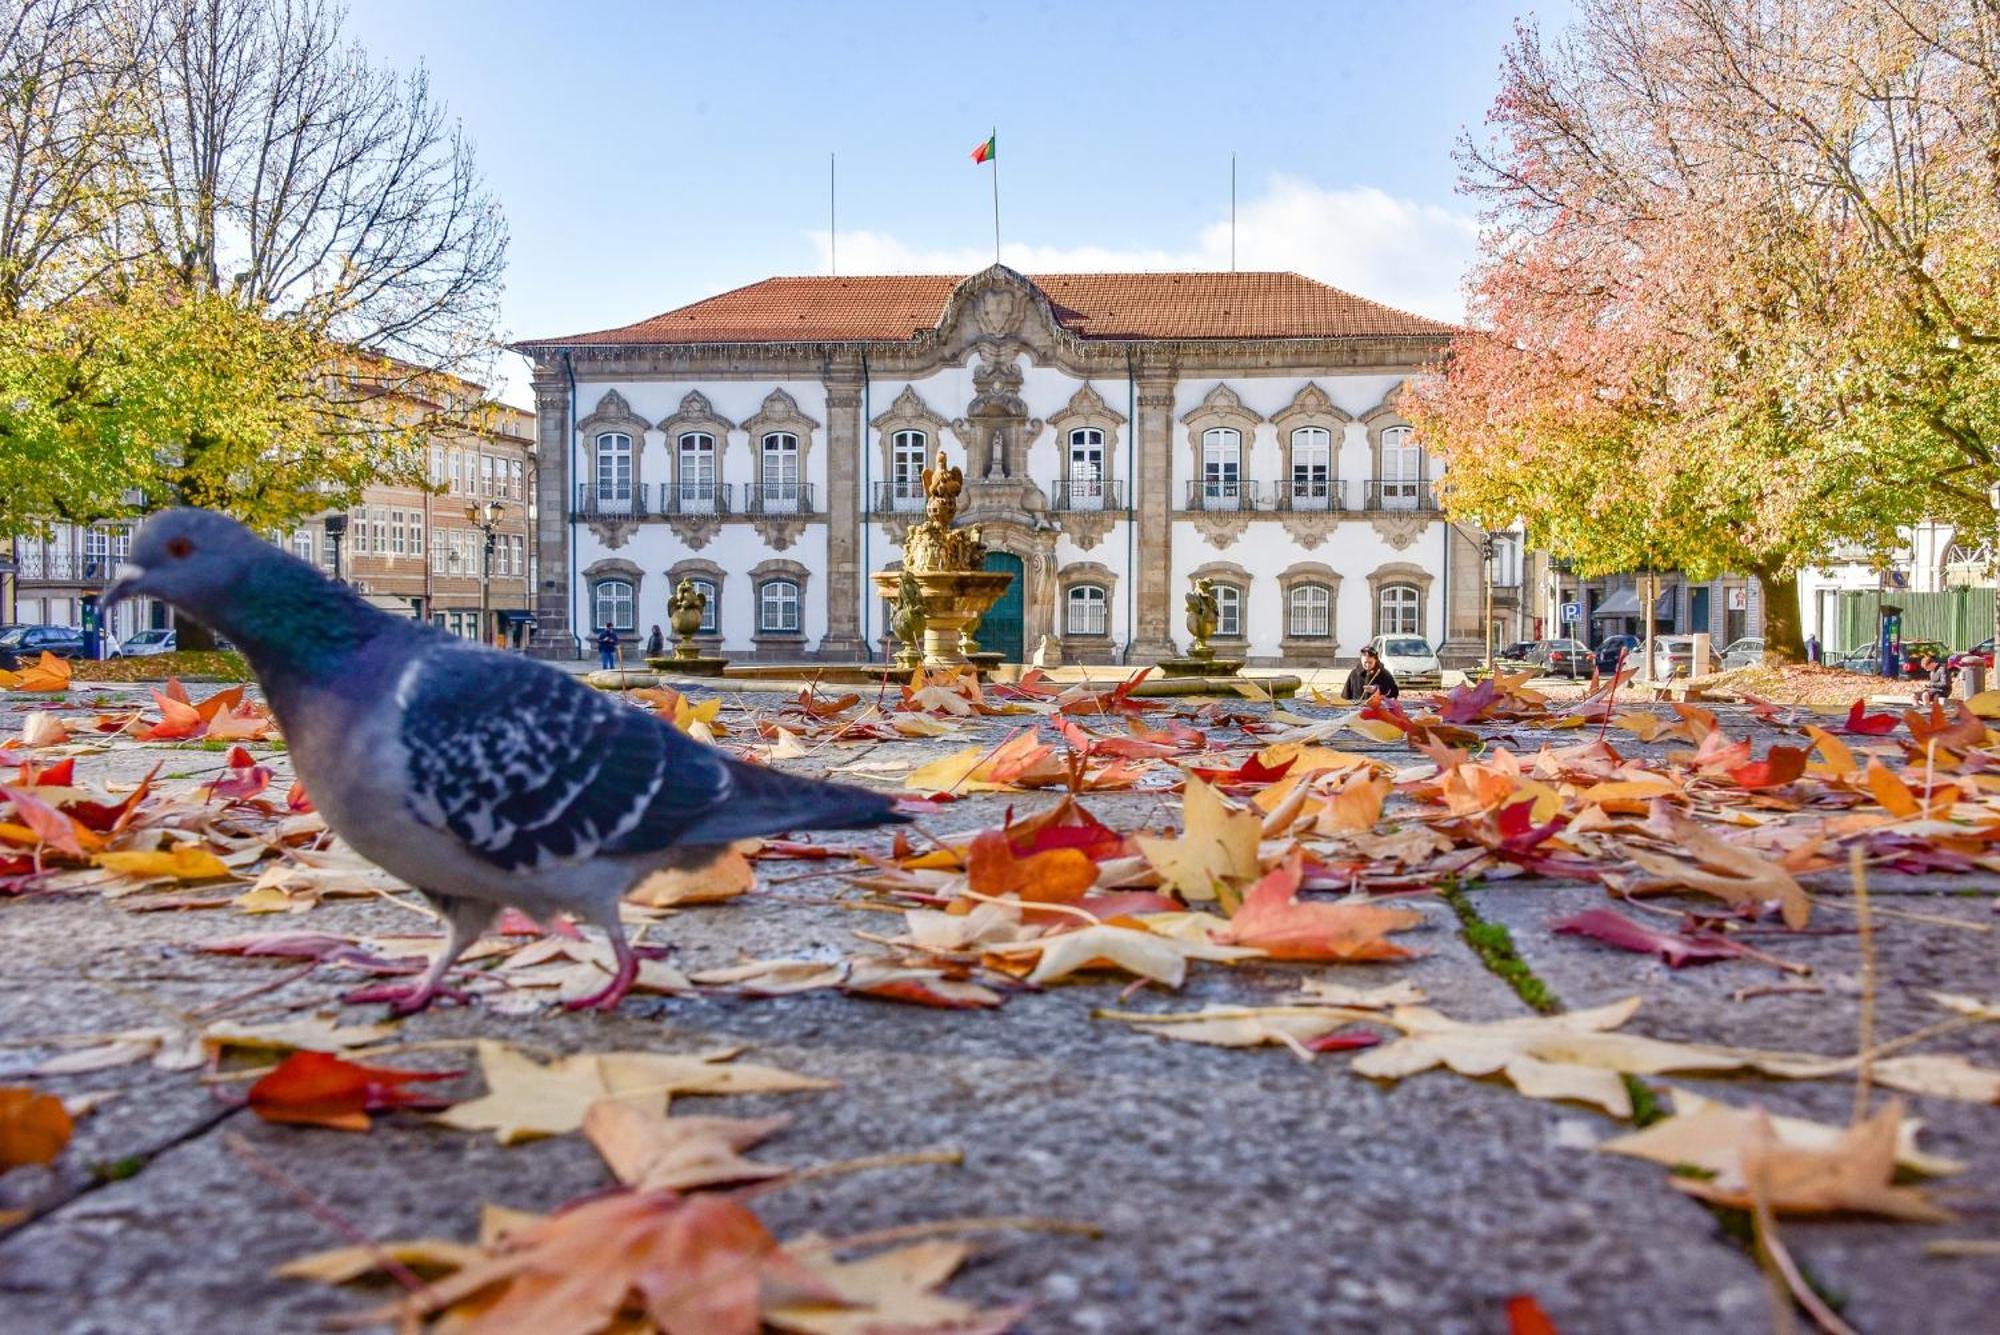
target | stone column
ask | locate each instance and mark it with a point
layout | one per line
(553, 637)
(844, 576)
(1464, 599)
(1153, 501)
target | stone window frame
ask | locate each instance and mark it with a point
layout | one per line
(779, 412)
(612, 415)
(908, 412)
(1228, 575)
(695, 416)
(1299, 575)
(695, 567)
(1077, 574)
(1381, 418)
(614, 568)
(1312, 407)
(1222, 407)
(768, 572)
(1087, 409)
(1400, 572)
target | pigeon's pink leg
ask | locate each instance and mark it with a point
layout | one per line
(465, 920)
(621, 981)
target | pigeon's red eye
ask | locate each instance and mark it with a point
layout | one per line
(180, 547)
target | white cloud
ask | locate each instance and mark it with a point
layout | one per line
(1364, 240)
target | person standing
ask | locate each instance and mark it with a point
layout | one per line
(1814, 655)
(1369, 677)
(656, 643)
(607, 648)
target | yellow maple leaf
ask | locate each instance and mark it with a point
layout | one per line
(183, 862)
(1215, 850)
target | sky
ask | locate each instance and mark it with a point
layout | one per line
(650, 154)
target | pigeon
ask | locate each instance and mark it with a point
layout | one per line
(482, 778)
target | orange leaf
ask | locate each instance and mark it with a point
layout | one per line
(1894, 795)
(1058, 876)
(1273, 919)
(179, 720)
(50, 825)
(319, 1089)
(34, 1127)
(1356, 807)
(1782, 765)
(1526, 1317)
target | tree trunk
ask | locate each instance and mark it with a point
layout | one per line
(1784, 630)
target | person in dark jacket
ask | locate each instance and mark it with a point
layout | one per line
(1368, 677)
(1937, 686)
(607, 648)
(656, 643)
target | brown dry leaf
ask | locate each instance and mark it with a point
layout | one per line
(526, 1099)
(1852, 1176)
(892, 1291)
(1293, 1027)
(648, 1150)
(1894, 795)
(1320, 992)
(1707, 1134)
(727, 877)
(1216, 849)
(1275, 920)
(1105, 946)
(426, 1257)
(1739, 875)
(1355, 807)
(34, 1126)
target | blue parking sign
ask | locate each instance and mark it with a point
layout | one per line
(1572, 611)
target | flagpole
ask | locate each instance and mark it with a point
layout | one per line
(995, 139)
(832, 226)
(1232, 212)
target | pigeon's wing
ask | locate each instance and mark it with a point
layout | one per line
(531, 769)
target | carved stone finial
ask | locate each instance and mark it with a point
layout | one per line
(686, 610)
(1204, 615)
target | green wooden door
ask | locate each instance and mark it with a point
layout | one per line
(1000, 630)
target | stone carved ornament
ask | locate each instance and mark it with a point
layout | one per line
(697, 531)
(1087, 528)
(1400, 528)
(1220, 527)
(614, 532)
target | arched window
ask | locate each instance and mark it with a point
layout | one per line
(614, 471)
(781, 473)
(1312, 468)
(1400, 611)
(1228, 612)
(1402, 468)
(1089, 611)
(1086, 468)
(613, 605)
(696, 473)
(907, 451)
(1311, 612)
(712, 608)
(1221, 468)
(778, 607)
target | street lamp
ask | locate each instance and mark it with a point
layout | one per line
(336, 529)
(486, 519)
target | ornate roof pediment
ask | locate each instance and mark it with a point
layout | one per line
(1222, 401)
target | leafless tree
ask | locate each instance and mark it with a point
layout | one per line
(287, 170)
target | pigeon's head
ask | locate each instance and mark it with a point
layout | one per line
(196, 560)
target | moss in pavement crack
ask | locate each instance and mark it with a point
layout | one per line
(1494, 945)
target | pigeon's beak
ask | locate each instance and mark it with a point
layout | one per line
(124, 583)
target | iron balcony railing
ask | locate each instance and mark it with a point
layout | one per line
(1310, 494)
(593, 500)
(780, 498)
(1087, 494)
(72, 567)
(899, 496)
(696, 498)
(1224, 494)
(1401, 496)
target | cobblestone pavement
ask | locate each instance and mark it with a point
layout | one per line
(1237, 1189)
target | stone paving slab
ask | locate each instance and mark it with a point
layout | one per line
(1239, 1190)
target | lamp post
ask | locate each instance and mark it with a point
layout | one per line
(1489, 546)
(336, 529)
(486, 519)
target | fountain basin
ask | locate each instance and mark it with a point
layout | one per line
(953, 600)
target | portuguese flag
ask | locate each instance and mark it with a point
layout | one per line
(986, 151)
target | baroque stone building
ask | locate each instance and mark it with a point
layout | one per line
(1122, 435)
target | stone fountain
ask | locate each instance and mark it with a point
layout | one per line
(1204, 614)
(941, 591)
(686, 610)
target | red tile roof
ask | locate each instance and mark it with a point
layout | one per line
(1092, 305)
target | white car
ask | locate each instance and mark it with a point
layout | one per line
(1746, 652)
(147, 643)
(1411, 661)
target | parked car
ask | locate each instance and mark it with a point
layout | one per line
(1861, 658)
(1612, 646)
(1410, 660)
(1978, 653)
(1913, 655)
(31, 642)
(146, 644)
(1517, 652)
(1673, 656)
(1565, 658)
(1746, 652)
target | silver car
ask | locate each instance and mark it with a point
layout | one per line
(1746, 652)
(147, 643)
(1411, 661)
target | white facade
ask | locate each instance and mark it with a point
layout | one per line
(1115, 475)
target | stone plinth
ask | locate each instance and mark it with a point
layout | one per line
(1200, 667)
(698, 665)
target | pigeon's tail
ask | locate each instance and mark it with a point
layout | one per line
(764, 801)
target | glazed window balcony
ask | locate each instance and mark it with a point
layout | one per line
(899, 496)
(697, 498)
(1225, 494)
(1094, 493)
(780, 498)
(1311, 494)
(1397, 495)
(612, 499)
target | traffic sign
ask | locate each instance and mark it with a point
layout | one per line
(1572, 611)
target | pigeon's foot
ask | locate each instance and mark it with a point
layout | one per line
(621, 981)
(407, 1000)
